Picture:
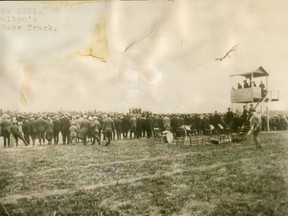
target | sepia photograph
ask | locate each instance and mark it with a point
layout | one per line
(142, 107)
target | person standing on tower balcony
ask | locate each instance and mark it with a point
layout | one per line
(246, 85)
(239, 86)
(263, 91)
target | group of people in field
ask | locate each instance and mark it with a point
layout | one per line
(92, 127)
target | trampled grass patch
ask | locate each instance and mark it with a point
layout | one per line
(137, 177)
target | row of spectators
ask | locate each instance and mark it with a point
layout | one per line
(97, 126)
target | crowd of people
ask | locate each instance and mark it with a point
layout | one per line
(92, 127)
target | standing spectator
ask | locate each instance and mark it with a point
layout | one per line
(17, 134)
(64, 128)
(264, 122)
(283, 122)
(238, 122)
(73, 132)
(6, 129)
(205, 124)
(139, 126)
(262, 86)
(277, 123)
(149, 123)
(34, 130)
(156, 123)
(27, 130)
(197, 121)
(118, 126)
(125, 126)
(263, 91)
(84, 129)
(166, 122)
(41, 124)
(91, 131)
(108, 128)
(78, 121)
(49, 130)
(144, 125)
(244, 115)
(246, 85)
(272, 123)
(19, 120)
(229, 117)
(133, 126)
(174, 123)
(250, 112)
(113, 132)
(255, 123)
(216, 122)
(97, 129)
(181, 121)
(56, 129)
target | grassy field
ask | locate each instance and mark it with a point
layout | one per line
(137, 177)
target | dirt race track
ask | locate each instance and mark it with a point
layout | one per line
(139, 177)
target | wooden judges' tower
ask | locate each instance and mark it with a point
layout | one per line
(258, 96)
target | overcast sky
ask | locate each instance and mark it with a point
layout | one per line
(169, 65)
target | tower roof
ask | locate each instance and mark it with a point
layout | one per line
(260, 72)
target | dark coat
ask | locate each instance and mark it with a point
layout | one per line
(56, 126)
(84, 128)
(118, 124)
(15, 131)
(34, 127)
(64, 124)
(6, 126)
(41, 125)
(26, 127)
(125, 124)
(108, 125)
